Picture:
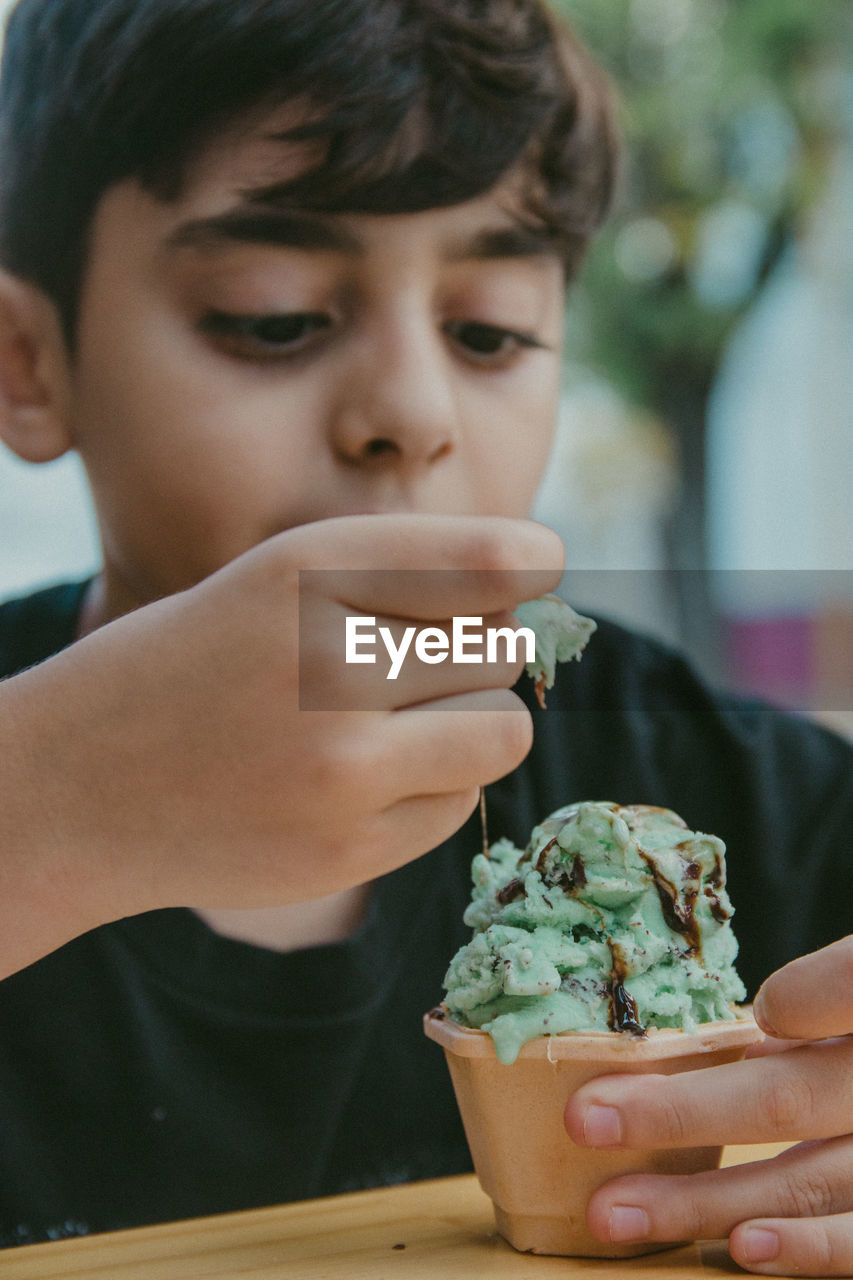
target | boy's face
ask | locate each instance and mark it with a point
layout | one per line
(239, 372)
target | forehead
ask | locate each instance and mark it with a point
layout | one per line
(220, 203)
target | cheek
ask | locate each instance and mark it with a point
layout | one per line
(189, 454)
(154, 407)
(515, 445)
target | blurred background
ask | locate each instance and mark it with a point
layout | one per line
(702, 478)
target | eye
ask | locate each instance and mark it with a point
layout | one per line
(488, 343)
(264, 336)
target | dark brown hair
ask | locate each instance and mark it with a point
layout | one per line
(409, 105)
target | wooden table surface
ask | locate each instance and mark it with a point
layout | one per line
(441, 1230)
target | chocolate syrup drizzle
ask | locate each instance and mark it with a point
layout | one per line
(623, 1011)
(543, 853)
(720, 913)
(678, 904)
(624, 1015)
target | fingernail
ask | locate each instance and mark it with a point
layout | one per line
(602, 1127)
(757, 1244)
(626, 1222)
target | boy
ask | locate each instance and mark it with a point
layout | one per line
(290, 277)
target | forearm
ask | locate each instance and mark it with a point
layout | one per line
(46, 890)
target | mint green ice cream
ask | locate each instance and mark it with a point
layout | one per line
(615, 917)
(561, 636)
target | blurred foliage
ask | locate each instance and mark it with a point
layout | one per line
(730, 110)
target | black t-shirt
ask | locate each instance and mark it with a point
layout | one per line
(153, 1070)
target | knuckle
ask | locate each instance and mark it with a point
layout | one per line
(321, 773)
(669, 1121)
(344, 763)
(809, 1194)
(691, 1222)
(493, 549)
(789, 1101)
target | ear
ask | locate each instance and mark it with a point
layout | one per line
(34, 373)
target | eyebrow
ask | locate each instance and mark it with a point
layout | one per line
(519, 240)
(294, 229)
(282, 228)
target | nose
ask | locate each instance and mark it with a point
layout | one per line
(397, 406)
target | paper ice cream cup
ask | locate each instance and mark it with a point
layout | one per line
(539, 1181)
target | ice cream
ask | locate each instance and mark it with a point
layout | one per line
(604, 946)
(615, 917)
(561, 636)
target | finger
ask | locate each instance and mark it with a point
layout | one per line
(804, 1093)
(418, 566)
(811, 1180)
(380, 842)
(795, 1247)
(809, 999)
(387, 767)
(457, 743)
(412, 827)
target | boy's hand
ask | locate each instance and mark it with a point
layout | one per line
(790, 1215)
(164, 760)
